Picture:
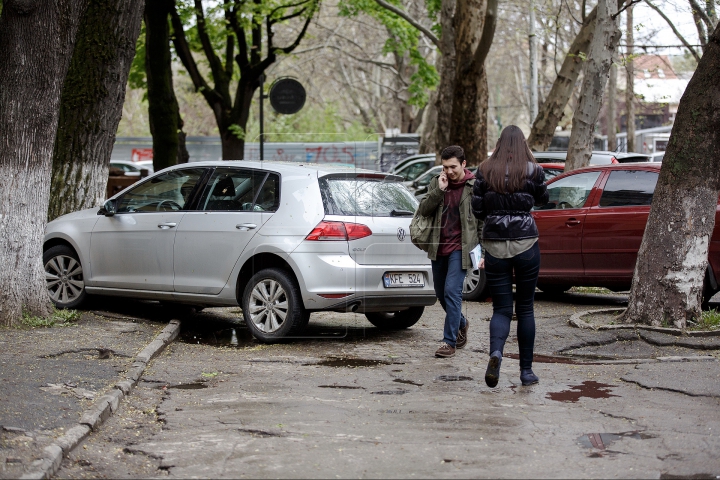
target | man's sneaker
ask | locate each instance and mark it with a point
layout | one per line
(462, 335)
(492, 374)
(445, 351)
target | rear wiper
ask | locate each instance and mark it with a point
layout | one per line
(401, 213)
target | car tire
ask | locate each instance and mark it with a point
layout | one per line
(395, 320)
(475, 287)
(554, 289)
(272, 305)
(64, 277)
(707, 293)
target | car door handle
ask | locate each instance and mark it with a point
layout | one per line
(165, 226)
(572, 222)
(245, 226)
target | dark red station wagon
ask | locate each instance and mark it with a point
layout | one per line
(592, 227)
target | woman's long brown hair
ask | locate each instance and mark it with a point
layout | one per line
(510, 156)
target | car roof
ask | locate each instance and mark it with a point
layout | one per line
(281, 167)
(613, 166)
(405, 164)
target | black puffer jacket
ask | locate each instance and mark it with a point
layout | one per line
(507, 216)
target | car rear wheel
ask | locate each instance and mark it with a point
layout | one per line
(272, 306)
(64, 277)
(395, 320)
(475, 285)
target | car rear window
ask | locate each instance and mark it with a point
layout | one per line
(368, 197)
(629, 187)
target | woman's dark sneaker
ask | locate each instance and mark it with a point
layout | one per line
(527, 377)
(492, 374)
(462, 335)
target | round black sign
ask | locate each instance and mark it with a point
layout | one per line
(287, 96)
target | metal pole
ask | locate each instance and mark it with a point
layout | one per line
(262, 118)
(533, 65)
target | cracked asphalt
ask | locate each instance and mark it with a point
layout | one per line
(348, 400)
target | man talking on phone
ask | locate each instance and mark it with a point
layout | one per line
(455, 233)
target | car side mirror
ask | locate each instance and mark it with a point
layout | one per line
(109, 208)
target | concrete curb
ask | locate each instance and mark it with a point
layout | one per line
(102, 409)
(577, 321)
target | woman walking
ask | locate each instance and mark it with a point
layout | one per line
(508, 185)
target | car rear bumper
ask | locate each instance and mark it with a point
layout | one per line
(337, 274)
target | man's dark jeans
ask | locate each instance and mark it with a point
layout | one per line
(448, 276)
(499, 274)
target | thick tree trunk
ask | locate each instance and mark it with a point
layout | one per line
(630, 84)
(612, 109)
(595, 75)
(428, 126)
(91, 104)
(474, 30)
(163, 110)
(36, 43)
(553, 108)
(448, 67)
(668, 280)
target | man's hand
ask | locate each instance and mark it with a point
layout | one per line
(481, 264)
(443, 181)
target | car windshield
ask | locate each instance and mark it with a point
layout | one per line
(366, 197)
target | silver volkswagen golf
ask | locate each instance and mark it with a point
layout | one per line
(281, 240)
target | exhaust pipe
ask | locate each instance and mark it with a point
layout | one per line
(353, 307)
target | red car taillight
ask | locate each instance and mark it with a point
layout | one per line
(338, 231)
(613, 160)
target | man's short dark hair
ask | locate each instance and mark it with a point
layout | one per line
(453, 151)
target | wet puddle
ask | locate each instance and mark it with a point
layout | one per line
(188, 386)
(601, 441)
(407, 382)
(343, 387)
(342, 362)
(589, 389)
(453, 378)
(226, 337)
(390, 392)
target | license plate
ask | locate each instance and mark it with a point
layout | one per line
(403, 279)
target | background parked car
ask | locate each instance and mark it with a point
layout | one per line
(280, 240)
(410, 170)
(598, 157)
(592, 227)
(132, 169)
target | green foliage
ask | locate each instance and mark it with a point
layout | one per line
(137, 77)
(403, 40)
(311, 124)
(57, 318)
(710, 320)
(237, 130)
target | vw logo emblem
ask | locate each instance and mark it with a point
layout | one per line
(401, 234)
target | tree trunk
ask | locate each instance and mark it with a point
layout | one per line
(474, 30)
(428, 125)
(36, 44)
(668, 280)
(444, 101)
(595, 75)
(552, 109)
(611, 109)
(630, 85)
(91, 104)
(163, 110)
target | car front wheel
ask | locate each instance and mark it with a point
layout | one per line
(395, 320)
(64, 277)
(272, 306)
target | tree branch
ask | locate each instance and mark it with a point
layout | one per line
(697, 9)
(300, 36)
(621, 8)
(213, 60)
(675, 30)
(229, 41)
(183, 51)
(402, 14)
(242, 57)
(487, 36)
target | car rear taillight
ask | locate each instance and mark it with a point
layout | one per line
(338, 231)
(613, 160)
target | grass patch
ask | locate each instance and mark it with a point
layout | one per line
(710, 320)
(60, 318)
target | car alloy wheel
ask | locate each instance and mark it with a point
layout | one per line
(268, 305)
(64, 277)
(474, 285)
(272, 305)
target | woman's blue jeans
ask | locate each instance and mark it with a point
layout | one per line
(499, 274)
(448, 277)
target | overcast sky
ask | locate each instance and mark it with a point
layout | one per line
(655, 30)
